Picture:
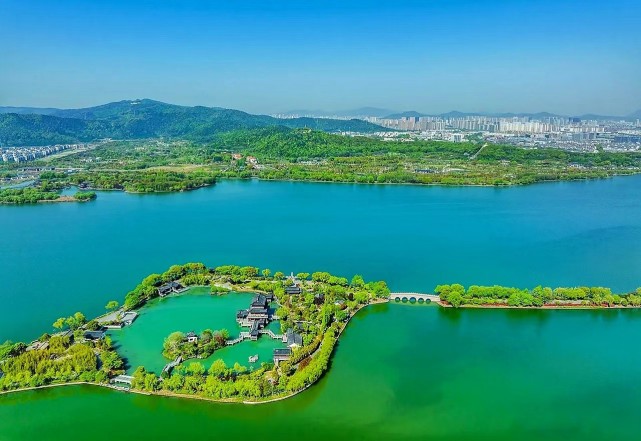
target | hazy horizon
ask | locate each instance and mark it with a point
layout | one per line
(327, 112)
(563, 57)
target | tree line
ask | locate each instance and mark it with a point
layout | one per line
(457, 295)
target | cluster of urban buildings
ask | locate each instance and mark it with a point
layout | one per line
(24, 154)
(552, 131)
(537, 130)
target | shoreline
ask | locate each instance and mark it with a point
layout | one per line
(168, 394)
(543, 308)
(73, 383)
(419, 184)
(317, 181)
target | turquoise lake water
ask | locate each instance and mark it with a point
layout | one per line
(60, 258)
(401, 372)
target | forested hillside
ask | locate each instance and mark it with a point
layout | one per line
(147, 119)
(284, 143)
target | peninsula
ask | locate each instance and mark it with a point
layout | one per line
(311, 309)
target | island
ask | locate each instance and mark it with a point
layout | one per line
(305, 313)
(32, 195)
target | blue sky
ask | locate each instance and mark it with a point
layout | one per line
(267, 56)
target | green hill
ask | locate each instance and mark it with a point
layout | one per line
(147, 119)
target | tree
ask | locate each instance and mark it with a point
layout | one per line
(152, 280)
(92, 325)
(321, 276)
(111, 361)
(173, 344)
(75, 321)
(151, 382)
(207, 336)
(138, 381)
(357, 281)
(266, 273)
(281, 313)
(196, 369)
(249, 272)
(112, 305)
(278, 275)
(239, 368)
(60, 323)
(218, 368)
(101, 377)
(455, 299)
(174, 383)
(6, 349)
(302, 276)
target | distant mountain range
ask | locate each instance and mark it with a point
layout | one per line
(539, 115)
(355, 113)
(144, 118)
(388, 114)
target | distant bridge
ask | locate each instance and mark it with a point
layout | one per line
(413, 296)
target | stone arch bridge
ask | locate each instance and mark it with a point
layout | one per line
(413, 296)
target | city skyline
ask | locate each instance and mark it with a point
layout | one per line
(563, 57)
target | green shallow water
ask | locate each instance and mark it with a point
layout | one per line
(401, 372)
(194, 310)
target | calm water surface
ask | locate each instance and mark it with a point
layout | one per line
(400, 372)
(195, 310)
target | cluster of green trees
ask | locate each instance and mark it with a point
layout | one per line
(84, 195)
(141, 155)
(45, 191)
(176, 344)
(148, 288)
(308, 373)
(302, 144)
(28, 195)
(60, 361)
(457, 295)
(144, 181)
(423, 170)
(240, 274)
(11, 349)
(72, 322)
(325, 297)
(218, 382)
